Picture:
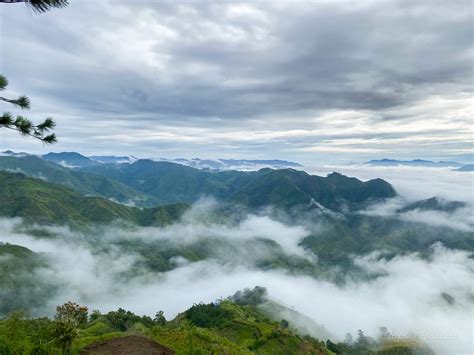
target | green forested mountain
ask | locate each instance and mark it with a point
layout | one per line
(288, 188)
(147, 183)
(83, 182)
(40, 201)
(169, 182)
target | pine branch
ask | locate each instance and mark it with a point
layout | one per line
(22, 102)
(49, 139)
(46, 5)
(22, 124)
(46, 125)
(26, 128)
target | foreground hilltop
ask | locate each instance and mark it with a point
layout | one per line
(241, 324)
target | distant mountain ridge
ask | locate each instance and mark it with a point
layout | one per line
(77, 160)
(112, 159)
(468, 167)
(234, 164)
(69, 159)
(415, 162)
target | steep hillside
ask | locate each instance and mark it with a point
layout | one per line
(83, 182)
(39, 201)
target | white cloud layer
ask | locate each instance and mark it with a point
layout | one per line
(407, 297)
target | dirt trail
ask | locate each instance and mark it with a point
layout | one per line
(130, 345)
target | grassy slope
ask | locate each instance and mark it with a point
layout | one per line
(233, 329)
(38, 201)
(245, 330)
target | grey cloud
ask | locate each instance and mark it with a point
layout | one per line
(308, 56)
(223, 65)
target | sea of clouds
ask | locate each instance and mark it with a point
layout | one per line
(429, 298)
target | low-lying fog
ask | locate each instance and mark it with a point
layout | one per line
(430, 298)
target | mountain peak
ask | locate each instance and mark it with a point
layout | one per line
(69, 159)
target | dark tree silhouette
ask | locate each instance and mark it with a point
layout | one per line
(22, 124)
(40, 5)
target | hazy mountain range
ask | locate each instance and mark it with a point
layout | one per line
(468, 167)
(415, 162)
(76, 160)
(148, 193)
(135, 226)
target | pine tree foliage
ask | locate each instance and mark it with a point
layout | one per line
(22, 124)
(45, 5)
(41, 5)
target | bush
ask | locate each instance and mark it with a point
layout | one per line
(208, 315)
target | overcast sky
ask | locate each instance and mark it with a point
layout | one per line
(309, 81)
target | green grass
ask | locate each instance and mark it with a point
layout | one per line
(237, 329)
